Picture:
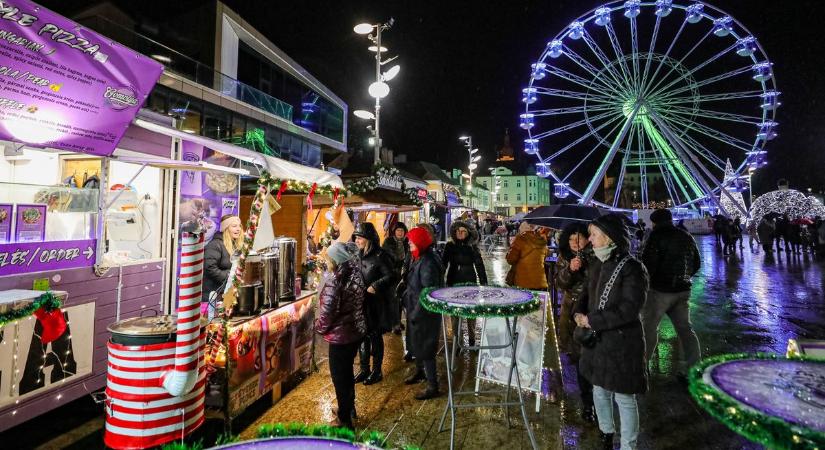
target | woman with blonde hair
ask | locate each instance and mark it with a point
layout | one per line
(217, 255)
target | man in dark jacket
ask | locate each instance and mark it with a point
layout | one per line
(376, 268)
(464, 265)
(425, 271)
(397, 246)
(671, 258)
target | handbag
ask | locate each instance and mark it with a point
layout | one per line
(588, 337)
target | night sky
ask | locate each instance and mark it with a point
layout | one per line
(464, 64)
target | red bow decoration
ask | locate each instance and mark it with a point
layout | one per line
(335, 195)
(311, 194)
(281, 190)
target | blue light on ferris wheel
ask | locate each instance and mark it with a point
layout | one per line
(538, 70)
(770, 100)
(561, 190)
(762, 71)
(528, 95)
(766, 130)
(576, 30)
(555, 48)
(631, 8)
(602, 16)
(663, 7)
(694, 12)
(526, 121)
(746, 46)
(542, 170)
(531, 146)
(722, 26)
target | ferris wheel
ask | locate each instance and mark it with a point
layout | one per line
(641, 104)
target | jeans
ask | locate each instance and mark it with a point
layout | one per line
(373, 344)
(675, 305)
(628, 415)
(340, 370)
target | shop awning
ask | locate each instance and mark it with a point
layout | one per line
(381, 199)
(277, 167)
(166, 163)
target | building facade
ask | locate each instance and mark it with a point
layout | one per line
(511, 193)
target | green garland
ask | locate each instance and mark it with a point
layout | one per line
(371, 438)
(47, 300)
(770, 431)
(296, 186)
(472, 312)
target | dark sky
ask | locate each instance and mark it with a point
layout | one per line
(465, 62)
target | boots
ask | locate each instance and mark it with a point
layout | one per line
(362, 376)
(607, 440)
(426, 394)
(417, 377)
(374, 377)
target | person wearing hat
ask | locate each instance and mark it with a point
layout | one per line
(396, 245)
(217, 255)
(424, 326)
(672, 259)
(379, 302)
(342, 324)
(613, 355)
(464, 265)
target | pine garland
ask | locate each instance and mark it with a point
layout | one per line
(371, 439)
(472, 312)
(770, 431)
(46, 300)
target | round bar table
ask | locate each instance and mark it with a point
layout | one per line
(470, 302)
(778, 402)
(296, 443)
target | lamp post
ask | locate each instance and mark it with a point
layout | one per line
(496, 182)
(472, 163)
(378, 89)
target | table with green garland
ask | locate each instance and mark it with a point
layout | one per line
(471, 302)
(776, 401)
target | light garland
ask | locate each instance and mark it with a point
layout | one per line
(788, 201)
(369, 438)
(475, 311)
(734, 207)
(770, 431)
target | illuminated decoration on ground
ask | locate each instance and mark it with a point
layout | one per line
(734, 207)
(662, 93)
(787, 201)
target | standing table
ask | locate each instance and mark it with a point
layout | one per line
(469, 302)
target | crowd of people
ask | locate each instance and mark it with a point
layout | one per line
(798, 235)
(611, 307)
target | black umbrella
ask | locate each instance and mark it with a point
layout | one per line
(558, 216)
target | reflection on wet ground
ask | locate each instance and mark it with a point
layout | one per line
(740, 303)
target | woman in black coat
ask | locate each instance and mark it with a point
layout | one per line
(464, 265)
(380, 280)
(423, 326)
(616, 364)
(217, 255)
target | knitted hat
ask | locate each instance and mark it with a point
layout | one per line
(338, 252)
(613, 225)
(421, 238)
(661, 216)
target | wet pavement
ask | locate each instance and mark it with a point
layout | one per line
(743, 302)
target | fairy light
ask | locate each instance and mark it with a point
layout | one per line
(790, 202)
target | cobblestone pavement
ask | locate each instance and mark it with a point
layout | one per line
(744, 302)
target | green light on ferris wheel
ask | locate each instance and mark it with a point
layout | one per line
(627, 110)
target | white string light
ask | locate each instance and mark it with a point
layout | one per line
(790, 202)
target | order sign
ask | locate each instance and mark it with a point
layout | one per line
(27, 257)
(65, 86)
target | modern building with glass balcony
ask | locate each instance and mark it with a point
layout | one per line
(223, 78)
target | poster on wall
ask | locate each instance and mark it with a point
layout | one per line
(266, 350)
(494, 365)
(65, 86)
(208, 195)
(28, 367)
(30, 223)
(6, 216)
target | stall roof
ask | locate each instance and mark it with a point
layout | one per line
(166, 163)
(277, 167)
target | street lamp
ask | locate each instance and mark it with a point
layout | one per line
(472, 164)
(378, 89)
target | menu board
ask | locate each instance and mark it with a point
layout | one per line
(65, 86)
(207, 196)
(6, 215)
(30, 223)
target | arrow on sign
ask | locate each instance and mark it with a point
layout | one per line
(89, 252)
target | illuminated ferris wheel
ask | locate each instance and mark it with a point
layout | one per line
(641, 104)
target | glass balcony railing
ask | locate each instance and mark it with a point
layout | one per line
(191, 69)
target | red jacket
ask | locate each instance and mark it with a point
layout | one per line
(341, 305)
